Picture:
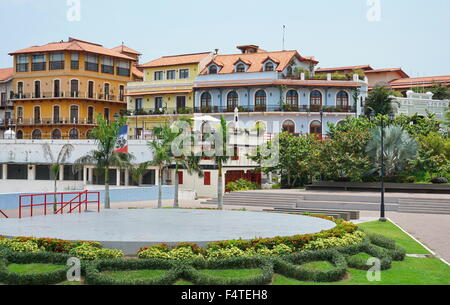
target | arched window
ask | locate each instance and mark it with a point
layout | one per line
(74, 114)
(232, 100)
(36, 134)
(205, 100)
(269, 66)
(315, 128)
(56, 134)
(289, 126)
(19, 114)
(19, 134)
(74, 88)
(106, 91)
(213, 69)
(292, 98)
(37, 89)
(56, 116)
(90, 89)
(90, 117)
(316, 98)
(73, 134)
(56, 88)
(240, 68)
(342, 99)
(260, 100)
(37, 114)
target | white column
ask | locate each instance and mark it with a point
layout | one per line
(127, 177)
(5, 171)
(85, 174)
(156, 177)
(61, 172)
(31, 172)
(118, 176)
(91, 175)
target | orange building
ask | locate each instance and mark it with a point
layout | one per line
(59, 88)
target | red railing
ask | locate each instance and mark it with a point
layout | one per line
(3, 213)
(76, 201)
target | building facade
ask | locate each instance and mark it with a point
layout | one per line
(60, 88)
(6, 105)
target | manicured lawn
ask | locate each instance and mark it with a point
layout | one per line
(391, 231)
(232, 272)
(135, 274)
(319, 265)
(34, 268)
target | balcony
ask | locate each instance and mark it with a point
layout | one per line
(6, 105)
(51, 122)
(69, 95)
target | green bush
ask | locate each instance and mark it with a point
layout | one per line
(365, 247)
(88, 252)
(332, 242)
(395, 252)
(241, 185)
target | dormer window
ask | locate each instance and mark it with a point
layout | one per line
(269, 66)
(212, 69)
(240, 68)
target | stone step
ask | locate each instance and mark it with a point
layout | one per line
(349, 198)
(351, 214)
(425, 201)
(355, 206)
(334, 215)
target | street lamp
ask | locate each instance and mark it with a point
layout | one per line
(382, 208)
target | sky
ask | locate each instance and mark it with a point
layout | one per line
(412, 34)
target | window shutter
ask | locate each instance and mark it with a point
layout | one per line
(207, 178)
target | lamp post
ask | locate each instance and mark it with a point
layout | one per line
(382, 207)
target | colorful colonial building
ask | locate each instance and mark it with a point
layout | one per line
(59, 88)
(6, 105)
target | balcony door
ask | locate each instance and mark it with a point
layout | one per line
(74, 114)
(74, 88)
(56, 119)
(37, 89)
(181, 103)
(90, 115)
(57, 88)
(37, 114)
(91, 89)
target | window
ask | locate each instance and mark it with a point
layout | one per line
(315, 128)
(181, 103)
(19, 134)
(91, 63)
(74, 88)
(56, 119)
(292, 98)
(90, 89)
(74, 61)
(22, 63)
(107, 65)
(213, 69)
(56, 134)
(123, 68)
(260, 100)
(171, 74)
(37, 89)
(240, 68)
(205, 100)
(20, 89)
(121, 93)
(158, 103)
(106, 91)
(106, 114)
(19, 113)
(3, 97)
(289, 126)
(56, 61)
(269, 66)
(342, 99)
(138, 104)
(38, 62)
(232, 100)
(90, 118)
(207, 178)
(180, 178)
(74, 114)
(158, 75)
(73, 134)
(184, 73)
(316, 98)
(56, 88)
(36, 134)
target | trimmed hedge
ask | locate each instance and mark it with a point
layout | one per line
(395, 252)
(361, 264)
(290, 266)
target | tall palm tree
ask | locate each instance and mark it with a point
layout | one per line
(104, 157)
(380, 101)
(191, 164)
(137, 172)
(63, 155)
(399, 148)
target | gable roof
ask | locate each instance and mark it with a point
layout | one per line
(123, 48)
(6, 74)
(75, 45)
(256, 60)
(174, 60)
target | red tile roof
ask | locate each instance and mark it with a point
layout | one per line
(256, 60)
(366, 68)
(271, 82)
(75, 45)
(6, 74)
(183, 59)
(136, 72)
(420, 81)
(398, 70)
(126, 49)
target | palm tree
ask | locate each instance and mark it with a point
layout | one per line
(191, 164)
(104, 156)
(137, 172)
(380, 101)
(63, 155)
(399, 148)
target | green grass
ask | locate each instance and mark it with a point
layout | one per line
(34, 268)
(391, 231)
(135, 274)
(183, 283)
(318, 265)
(362, 255)
(232, 273)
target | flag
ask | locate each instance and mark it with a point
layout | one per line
(122, 140)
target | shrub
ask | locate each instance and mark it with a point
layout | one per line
(151, 252)
(88, 252)
(332, 242)
(241, 185)
(439, 180)
(395, 252)
(224, 253)
(27, 246)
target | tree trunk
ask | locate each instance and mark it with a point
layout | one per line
(55, 189)
(175, 200)
(220, 188)
(160, 188)
(107, 200)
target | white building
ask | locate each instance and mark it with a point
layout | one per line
(6, 105)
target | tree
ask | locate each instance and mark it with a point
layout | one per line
(380, 100)
(191, 163)
(104, 157)
(220, 157)
(440, 92)
(399, 149)
(434, 154)
(137, 172)
(63, 155)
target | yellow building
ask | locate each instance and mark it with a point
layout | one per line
(59, 88)
(165, 93)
